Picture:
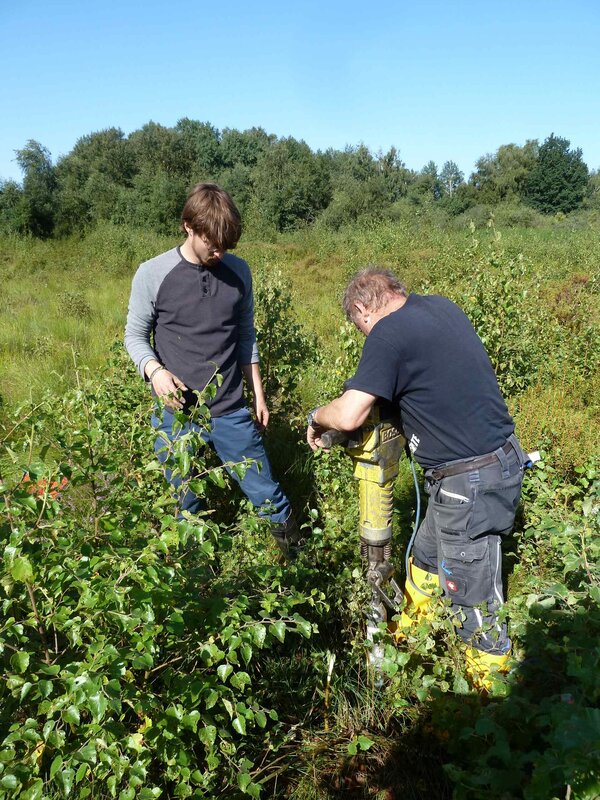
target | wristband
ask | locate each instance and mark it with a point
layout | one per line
(311, 417)
(154, 371)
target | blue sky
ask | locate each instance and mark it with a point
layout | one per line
(448, 80)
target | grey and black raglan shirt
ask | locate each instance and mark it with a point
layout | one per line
(195, 320)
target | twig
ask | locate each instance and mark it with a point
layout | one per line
(20, 422)
(166, 664)
(41, 629)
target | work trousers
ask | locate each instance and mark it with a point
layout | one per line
(460, 538)
(233, 437)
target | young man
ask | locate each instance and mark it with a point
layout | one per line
(191, 313)
(423, 356)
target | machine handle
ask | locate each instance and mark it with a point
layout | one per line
(333, 437)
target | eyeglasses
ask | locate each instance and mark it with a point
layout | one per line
(212, 249)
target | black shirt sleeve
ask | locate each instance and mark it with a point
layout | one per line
(379, 370)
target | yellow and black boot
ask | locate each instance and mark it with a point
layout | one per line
(481, 667)
(418, 605)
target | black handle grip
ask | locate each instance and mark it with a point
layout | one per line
(333, 437)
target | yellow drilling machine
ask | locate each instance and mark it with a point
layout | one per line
(375, 449)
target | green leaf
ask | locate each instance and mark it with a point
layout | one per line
(365, 743)
(71, 715)
(55, 766)
(304, 626)
(150, 794)
(27, 501)
(22, 570)
(239, 725)
(97, 704)
(224, 671)
(208, 735)
(33, 792)
(353, 747)
(65, 780)
(259, 634)
(240, 679)
(19, 661)
(9, 782)
(277, 629)
(244, 779)
(261, 719)
(246, 651)
(87, 753)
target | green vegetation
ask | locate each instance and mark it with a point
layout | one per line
(144, 657)
(279, 184)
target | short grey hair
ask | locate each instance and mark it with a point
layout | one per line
(372, 287)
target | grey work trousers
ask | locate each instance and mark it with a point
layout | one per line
(460, 538)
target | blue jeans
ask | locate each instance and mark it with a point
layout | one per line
(233, 437)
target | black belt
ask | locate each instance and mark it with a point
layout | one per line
(468, 466)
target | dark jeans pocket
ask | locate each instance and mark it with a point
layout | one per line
(495, 506)
(465, 569)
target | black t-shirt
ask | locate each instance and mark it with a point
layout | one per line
(427, 360)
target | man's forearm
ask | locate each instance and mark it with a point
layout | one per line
(345, 413)
(251, 373)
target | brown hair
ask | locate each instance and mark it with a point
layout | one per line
(210, 211)
(372, 287)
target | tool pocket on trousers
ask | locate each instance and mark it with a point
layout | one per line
(465, 569)
(495, 506)
(451, 515)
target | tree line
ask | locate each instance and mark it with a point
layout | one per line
(278, 183)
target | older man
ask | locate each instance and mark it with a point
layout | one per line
(422, 355)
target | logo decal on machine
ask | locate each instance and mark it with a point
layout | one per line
(452, 587)
(414, 443)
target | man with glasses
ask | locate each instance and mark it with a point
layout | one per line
(191, 315)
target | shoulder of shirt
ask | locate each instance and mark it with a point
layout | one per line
(163, 261)
(240, 267)
(235, 263)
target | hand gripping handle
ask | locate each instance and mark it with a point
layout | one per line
(333, 437)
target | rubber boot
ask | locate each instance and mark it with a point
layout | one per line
(418, 606)
(288, 537)
(481, 666)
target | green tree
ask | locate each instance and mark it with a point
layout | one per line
(155, 201)
(243, 147)
(593, 190)
(239, 152)
(90, 177)
(395, 176)
(156, 147)
(559, 179)
(12, 208)
(291, 184)
(501, 176)
(199, 154)
(39, 184)
(451, 177)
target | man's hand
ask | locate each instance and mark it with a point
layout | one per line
(261, 413)
(168, 388)
(345, 413)
(313, 437)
